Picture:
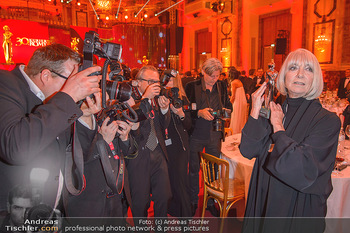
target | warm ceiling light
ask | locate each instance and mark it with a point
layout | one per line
(126, 16)
(107, 17)
(145, 15)
(78, 3)
(104, 4)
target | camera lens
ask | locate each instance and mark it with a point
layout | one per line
(120, 91)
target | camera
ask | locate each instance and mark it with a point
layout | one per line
(122, 111)
(170, 93)
(42, 215)
(118, 90)
(112, 53)
(219, 120)
(93, 45)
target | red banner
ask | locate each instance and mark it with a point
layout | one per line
(26, 37)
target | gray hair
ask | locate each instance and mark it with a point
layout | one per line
(297, 57)
(211, 65)
(143, 69)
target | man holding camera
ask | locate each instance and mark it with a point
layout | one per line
(148, 172)
(210, 96)
(20, 200)
(39, 124)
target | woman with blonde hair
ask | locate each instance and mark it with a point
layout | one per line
(177, 145)
(239, 103)
(294, 150)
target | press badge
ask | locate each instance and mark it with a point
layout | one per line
(168, 142)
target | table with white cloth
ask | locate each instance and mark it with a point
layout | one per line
(338, 204)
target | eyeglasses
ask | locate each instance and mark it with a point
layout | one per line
(150, 82)
(60, 75)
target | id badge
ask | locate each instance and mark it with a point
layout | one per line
(168, 142)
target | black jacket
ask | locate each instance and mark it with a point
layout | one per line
(34, 135)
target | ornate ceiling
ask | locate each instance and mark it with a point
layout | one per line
(133, 7)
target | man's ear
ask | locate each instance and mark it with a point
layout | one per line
(45, 76)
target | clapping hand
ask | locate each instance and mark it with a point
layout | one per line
(257, 101)
(276, 117)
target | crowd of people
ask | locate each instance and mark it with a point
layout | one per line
(86, 168)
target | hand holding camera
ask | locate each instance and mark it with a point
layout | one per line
(80, 85)
(177, 111)
(110, 130)
(163, 102)
(123, 129)
(152, 91)
(206, 114)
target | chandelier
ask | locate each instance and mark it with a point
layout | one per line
(104, 4)
(322, 41)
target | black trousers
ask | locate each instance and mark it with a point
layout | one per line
(148, 174)
(212, 146)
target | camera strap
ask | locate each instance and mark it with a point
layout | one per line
(74, 162)
(116, 185)
(120, 176)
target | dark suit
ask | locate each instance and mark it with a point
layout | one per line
(148, 172)
(186, 80)
(203, 135)
(341, 89)
(256, 84)
(34, 135)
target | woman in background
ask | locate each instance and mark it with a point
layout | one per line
(239, 103)
(177, 144)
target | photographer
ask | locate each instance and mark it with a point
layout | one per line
(177, 144)
(20, 200)
(148, 172)
(102, 198)
(38, 122)
(210, 95)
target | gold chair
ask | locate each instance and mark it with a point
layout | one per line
(220, 187)
(228, 132)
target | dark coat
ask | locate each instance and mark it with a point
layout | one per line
(341, 89)
(255, 80)
(178, 148)
(193, 92)
(98, 199)
(294, 180)
(148, 172)
(34, 135)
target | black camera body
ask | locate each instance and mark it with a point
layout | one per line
(219, 122)
(93, 45)
(112, 53)
(122, 111)
(118, 90)
(170, 93)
